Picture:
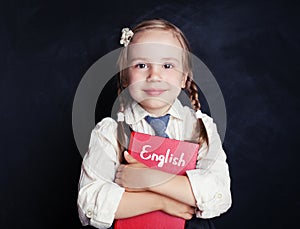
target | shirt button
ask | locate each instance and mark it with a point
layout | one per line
(89, 213)
(219, 195)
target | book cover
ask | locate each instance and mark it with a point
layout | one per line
(165, 154)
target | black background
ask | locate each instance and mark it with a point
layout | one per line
(251, 47)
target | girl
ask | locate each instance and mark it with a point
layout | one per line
(154, 66)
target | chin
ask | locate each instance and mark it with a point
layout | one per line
(156, 105)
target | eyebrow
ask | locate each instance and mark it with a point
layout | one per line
(149, 60)
(171, 58)
(139, 58)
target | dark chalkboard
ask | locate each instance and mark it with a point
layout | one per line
(251, 47)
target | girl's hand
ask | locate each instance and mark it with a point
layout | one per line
(132, 175)
(132, 161)
(135, 176)
(176, 208)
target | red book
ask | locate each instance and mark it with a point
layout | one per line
(165, 154)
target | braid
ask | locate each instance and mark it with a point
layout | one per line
(121, 129)
(192, 90)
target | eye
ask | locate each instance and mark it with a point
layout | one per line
(141, 65)
(168, 66)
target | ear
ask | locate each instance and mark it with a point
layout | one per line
(184, 78)
(125, 82)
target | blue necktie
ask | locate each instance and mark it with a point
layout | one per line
(159, 124)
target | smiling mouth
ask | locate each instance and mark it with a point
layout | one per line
(154, 92)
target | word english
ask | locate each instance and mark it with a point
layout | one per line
(168, 158)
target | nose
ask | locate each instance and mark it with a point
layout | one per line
(154, 73)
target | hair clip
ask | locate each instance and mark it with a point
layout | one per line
(120, 117)
(126, 36)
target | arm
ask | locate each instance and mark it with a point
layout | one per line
(98, 196)
(178, 188)
(141, 200)
(137, 203)
(136, 176)
(210, 180)
(211, 186)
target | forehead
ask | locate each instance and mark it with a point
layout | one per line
(156, 36)
(154, 52)
(155, 45)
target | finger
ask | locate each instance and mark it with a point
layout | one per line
(118, 175)
(191, 210)
(118, 181)
(188, 216)
(119, 171)
(129, 158)
(120, 168)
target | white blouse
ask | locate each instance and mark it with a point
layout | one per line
(99, 196)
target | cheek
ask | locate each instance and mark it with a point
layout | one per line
(135, 91)
(178, 82)
(134, 87)
(134, 77)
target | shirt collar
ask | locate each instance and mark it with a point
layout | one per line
(134, 113)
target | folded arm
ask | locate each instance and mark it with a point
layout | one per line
(137, 203)
(137, 177)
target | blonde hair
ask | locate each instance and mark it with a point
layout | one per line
(190, 86)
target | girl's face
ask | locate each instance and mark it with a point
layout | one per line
(155, 73)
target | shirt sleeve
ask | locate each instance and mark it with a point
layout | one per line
(210, 180)
(98, 195)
